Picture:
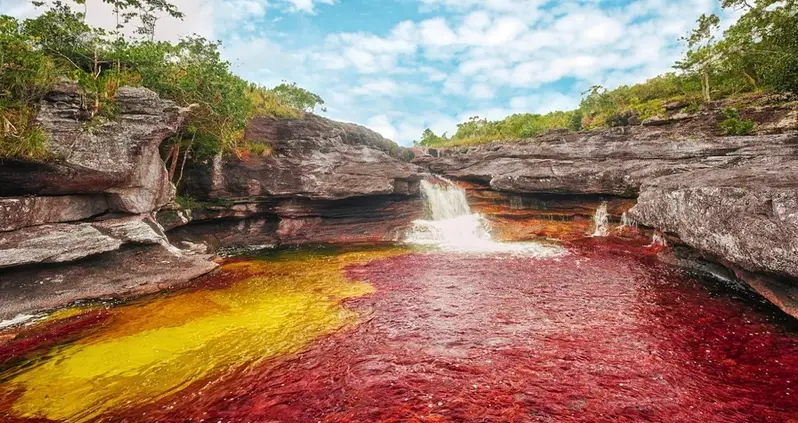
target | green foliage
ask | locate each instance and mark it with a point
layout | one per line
(187, 202)
(479, 130)
(35, 53)
(296, 97)
(429, 139)
(576, 122)
(25, 76)
(759, 51)
(734, 125)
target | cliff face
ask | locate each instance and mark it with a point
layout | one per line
(323, 181)
(92, 203)
(734, 199)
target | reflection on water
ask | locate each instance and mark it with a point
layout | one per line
(604, 334)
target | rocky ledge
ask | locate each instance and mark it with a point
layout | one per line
(734, 200)
(77, 224)
(323, 182)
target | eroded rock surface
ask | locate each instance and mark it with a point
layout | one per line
(311, 157)
(323, 182)
(80, 223)
(118, 157)
(66, 242)
(120, 274)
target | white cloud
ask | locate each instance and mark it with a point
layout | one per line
(482, 91)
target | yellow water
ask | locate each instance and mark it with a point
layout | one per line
(151, 349)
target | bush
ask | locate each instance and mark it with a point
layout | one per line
(58, 44)
(734, 125)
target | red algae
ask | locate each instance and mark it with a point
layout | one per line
(604, 334)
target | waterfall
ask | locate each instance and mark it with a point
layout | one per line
(451, 222)
(601, 221)
(451, 225)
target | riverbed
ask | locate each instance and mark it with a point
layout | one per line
(599, 331)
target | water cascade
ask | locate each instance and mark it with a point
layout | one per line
(601, 221)
(627, 222)
(451, 225)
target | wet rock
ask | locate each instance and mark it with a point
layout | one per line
(20, 212)
(734, 198)
(130, 271)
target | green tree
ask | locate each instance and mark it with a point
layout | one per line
(298, 98)
(703, 54)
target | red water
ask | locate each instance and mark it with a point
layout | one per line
(602, 335)
(605, 334)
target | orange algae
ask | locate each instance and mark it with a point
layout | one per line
(149, 350)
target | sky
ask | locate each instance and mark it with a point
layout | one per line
(400, 66)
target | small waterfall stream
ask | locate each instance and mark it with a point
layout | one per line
(451, 225)
(601, 221)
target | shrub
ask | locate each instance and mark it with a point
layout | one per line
(734, 125)
(187, 202)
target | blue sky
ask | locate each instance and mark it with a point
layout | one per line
(400, 66)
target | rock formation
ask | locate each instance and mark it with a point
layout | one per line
(91, 202)
(95, 218)
(98, 217)
(323, 181)
(734, 199)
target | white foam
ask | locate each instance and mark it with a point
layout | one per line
(452, 226)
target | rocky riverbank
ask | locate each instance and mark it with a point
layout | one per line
(99, 219)
(734, 200)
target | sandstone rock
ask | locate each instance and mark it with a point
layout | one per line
(668, 120)
(53, 244)
(68, 242)
(302, 221)
(747, 215)
(735, 198)
(119, 157)
(20, 212)
(121, 274)
(312, 157)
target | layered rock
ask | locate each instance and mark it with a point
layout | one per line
(311, 157)
(323, 182)
(93, 198)
(118, 158)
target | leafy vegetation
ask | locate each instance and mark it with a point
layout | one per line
(757, 53)
(734, 125)
(36, 53)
